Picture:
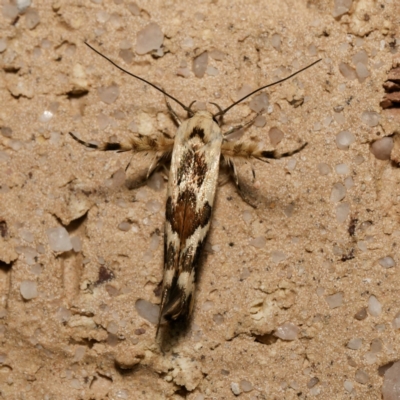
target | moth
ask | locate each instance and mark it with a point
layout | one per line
(195, 154)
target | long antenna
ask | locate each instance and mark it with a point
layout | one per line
(141, 79)
(264, 87)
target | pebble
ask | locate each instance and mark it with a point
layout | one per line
(335, 300)
(235, 388)
(108, 94)
(276, 41)
(258, 242)
(347, 71)
(134, 9)
(259, 102)
(275, 136)
(348, 385)
(374, 306)
(362, 72)
(342, 169)
(361, 376)
(28, 290)
(312, 382)
(59, 239)
(370, 118)
(277, 256)
(246, 386)
(338, 192)
(342, 212)
(10, 11)
(344, 139)
(32, 18)
(324, 169)
(147, 310)
(355, 344)
(382, 148)
(200, 63)
(287, 331)
(3, 44)
(148, 39)
(341, 7)
(396, 321)
(124, 226)
(76, 244)
(391, 382)
(386, 262)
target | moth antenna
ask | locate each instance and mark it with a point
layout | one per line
(141, 79)
(223, 112)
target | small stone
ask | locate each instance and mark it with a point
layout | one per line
(382, 148)
(341, 7)
(32, 18)
(10, 11)
(124, 226)
(370, 118)
(108, 94)
(275, 136)
(344, 139)
(348, 72)
(362, 72)
(342, 212)
(150, 38)
(342, 169)
(355, 344)
(246, 386)
(361, 376)
(259, 102)
(258, 242)
(391, 382)
(278, 256)
(334, 300)
(235, 388)
(147, 310)
(338, 192)
(134, 9)
(76, 244)
(3, 44)
(348, 385)
(276, 41)
(287, 331)
(387, 262)
(396, 321)
(374, 306)
(312, 382)
(28, 290)
(361, 314)
(59, 239)
(200, 65)
(324, 169)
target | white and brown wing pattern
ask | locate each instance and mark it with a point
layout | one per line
(191, 189)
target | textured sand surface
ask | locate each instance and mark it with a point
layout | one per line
(319, 230)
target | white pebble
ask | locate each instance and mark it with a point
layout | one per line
(342, 169)
(291, 164)
(348, 182)
(341, 7)
(247, 216)
(386, 262)
(29, 254)
(76, 244)
(148, 39)
(396, 321)
(147, 310)
(217, 55)
(125, 44)
(382, 148)
(275, 136)
(187, 43)
(348, 385)
(338, 192)
(108, 94)
(342, 212)
(26, 235)
(259, 102)
(287, 331)
(235, 388)
(362, 72)
(153, 206)
(134, 9)
(335, 300)
(391, 382)
(59, 239)
(212, 71)
(276, 41)
(32, 18)
(344, 139)
(103, 121)
(258, 242)
(360, 57)
(200, 65)
(28, 290)
(260, 121)
(355, 344)
(154, 242)
(370, 118)
(374, 306)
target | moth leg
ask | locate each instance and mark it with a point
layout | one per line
(172, 112)
(104, 146)
(252, 150)
(241, 126)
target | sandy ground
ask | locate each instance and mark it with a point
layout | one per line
(81, 336)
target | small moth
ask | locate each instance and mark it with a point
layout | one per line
(196, 152)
